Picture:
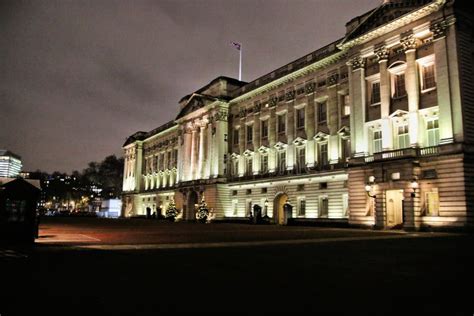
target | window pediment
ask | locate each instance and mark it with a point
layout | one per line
(280, 146)
(248, 153)
(299, 141)
(320, 136)
(263, 150)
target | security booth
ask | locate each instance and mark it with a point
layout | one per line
(287, 212)
(257, 214)
(18, 217)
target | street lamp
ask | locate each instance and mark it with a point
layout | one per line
(368, 188)
(414, 185)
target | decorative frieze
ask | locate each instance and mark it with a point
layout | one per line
(332, 79)
(221, 115)
(309, 87)
(290, 95)
(439, 29)
(273, 101)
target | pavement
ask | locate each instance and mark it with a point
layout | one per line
(149, 267)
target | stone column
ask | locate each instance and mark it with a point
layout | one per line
(209, 153)
(412, 87)
(200, 163)
(333, 119)
(443, 88)
(357, 88)
(309, 122)
(188, 137)
(220, 118)
(387, 131)
(138, 166)
(272, 137)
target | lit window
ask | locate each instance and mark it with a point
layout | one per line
(265, 129)
(399, 85)
(235, 167)
(432, 130)
(346, 107)
(322, 114)
(281, 161)
(249, 133)
(249, 164)
(428, 77)
(375, 92)
(377, 142)
(403, 137)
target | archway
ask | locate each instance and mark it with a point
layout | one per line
(192, 200)
(278, 214)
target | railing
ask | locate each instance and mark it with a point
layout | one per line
(411, 152)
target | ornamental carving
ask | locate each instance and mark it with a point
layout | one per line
(257, 107)
(381, 53)
(221, 115)
(357, 63)
(310, 87)
(438, 29)
(408, 42)
(332, 79)
(273, 101)
(290, 95)
(242, 113)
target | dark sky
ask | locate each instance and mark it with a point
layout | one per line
(78, 77)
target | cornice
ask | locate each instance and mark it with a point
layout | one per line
(290, 77)
(391, 26)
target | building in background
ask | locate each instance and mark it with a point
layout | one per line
(10, 164)
(374, 129)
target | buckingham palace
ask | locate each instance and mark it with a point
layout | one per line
(372, 130)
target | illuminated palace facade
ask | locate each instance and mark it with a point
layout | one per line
(375, 129)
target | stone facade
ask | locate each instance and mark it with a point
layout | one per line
(370, 129)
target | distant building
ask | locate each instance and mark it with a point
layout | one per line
(375, 129)
(10, 164)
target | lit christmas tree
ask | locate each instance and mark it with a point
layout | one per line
(172, 211)
(202, 211)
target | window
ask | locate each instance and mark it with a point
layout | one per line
(432, 130)
(248, 191)
(281, 124)
(235, 207)
(249, 208)
(323, 154)
(301, 159)
(264, 190)
(428, 81)
(346, 149)
(169, 159)
(399, 85)
(281, 161)
(346, 107)
(432, 203)
(322, 112)
(175, 157)
(300, 118)
(249, 164)
(323, 207)
(162, 161)
(375, 92)
(264, 164)
(234, 192)
(236, 137)
(235, 167)
(403, 137)
(249, 133)
(345, 205)
(377, 142)
(301, 207)
(265, 129)
(300, 187)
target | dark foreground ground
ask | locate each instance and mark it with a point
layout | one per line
(86, 266)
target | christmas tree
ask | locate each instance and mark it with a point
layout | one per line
(172, 211)
(202, 211)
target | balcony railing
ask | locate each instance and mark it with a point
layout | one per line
(410, 153)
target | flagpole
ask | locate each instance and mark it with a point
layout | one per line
(240, 63)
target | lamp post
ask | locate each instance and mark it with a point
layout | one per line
(414, 185)
(368, 188)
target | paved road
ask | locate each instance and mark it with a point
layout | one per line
(139, 267)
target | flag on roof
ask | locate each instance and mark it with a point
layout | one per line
(237, 45)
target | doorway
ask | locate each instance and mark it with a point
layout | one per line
(278, 213)
(394, 206)
(190, 205)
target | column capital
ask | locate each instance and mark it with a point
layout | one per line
(438, 28)
(408, 41)
(356, 63)
(381, 53)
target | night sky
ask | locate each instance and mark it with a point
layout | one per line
(78, 77)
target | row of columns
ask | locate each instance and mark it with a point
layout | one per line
(445, 91)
